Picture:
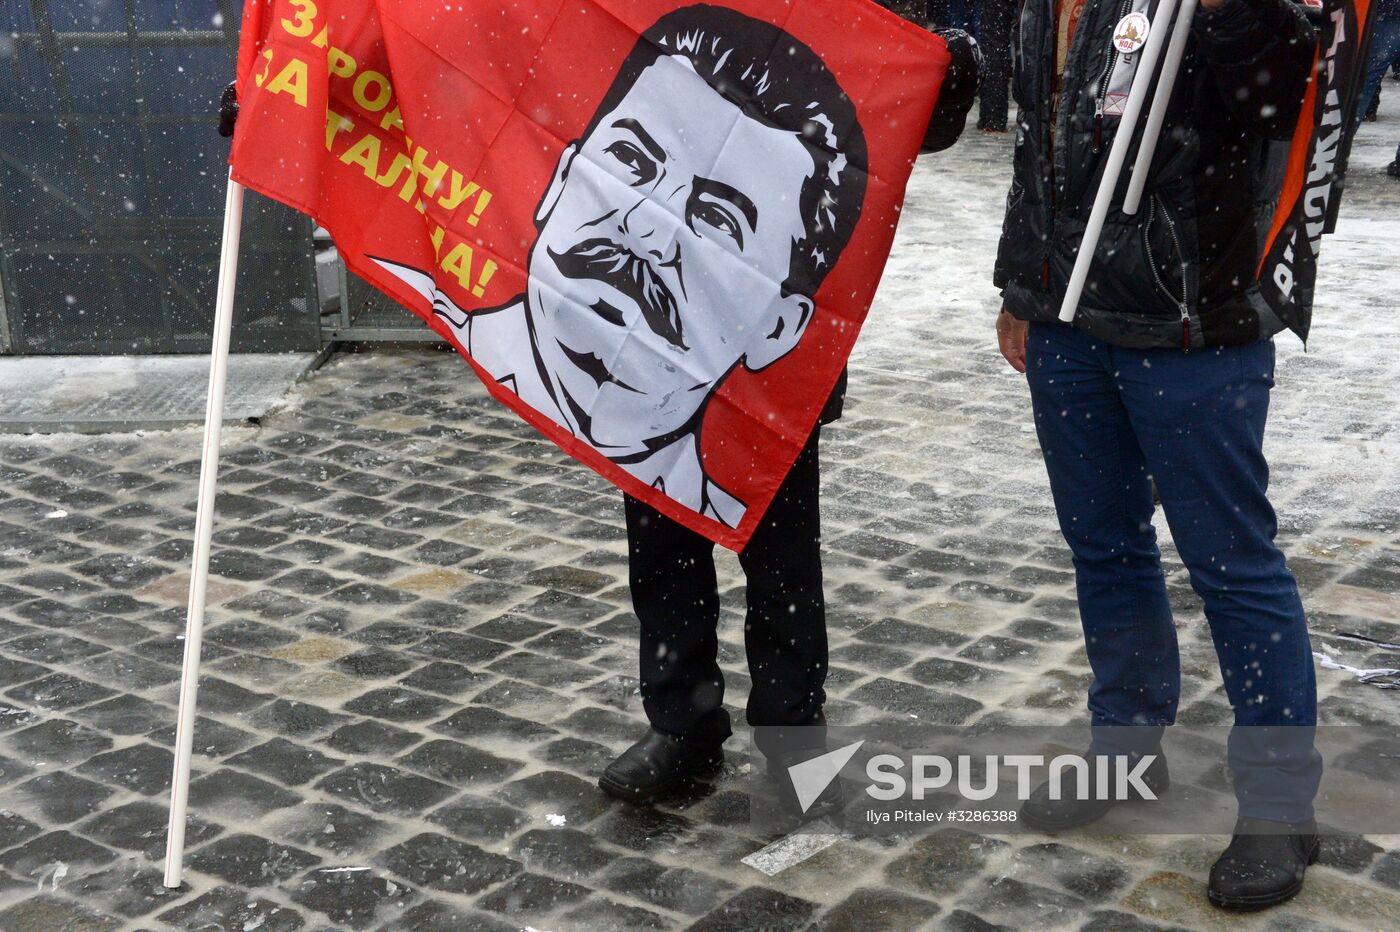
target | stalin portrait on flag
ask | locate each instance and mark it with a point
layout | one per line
(685, 233)
(653, 228)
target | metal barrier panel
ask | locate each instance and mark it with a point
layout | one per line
(112, 181)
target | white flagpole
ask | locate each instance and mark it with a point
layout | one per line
(1117, 155)
(203, 532)
(1158, 114)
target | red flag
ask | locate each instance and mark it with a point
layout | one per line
(654, 228)
(1312, 185)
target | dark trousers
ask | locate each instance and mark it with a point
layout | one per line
(676, 599)
(998, 19)
(1111, 421)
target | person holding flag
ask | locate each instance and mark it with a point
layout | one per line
(638, 267)
(675, 594)
(1164, 378)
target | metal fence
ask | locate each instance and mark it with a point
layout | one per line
(111, 186)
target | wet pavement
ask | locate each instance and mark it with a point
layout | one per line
(420, 650)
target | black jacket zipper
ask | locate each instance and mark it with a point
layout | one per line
(1184, 305)
(1124, 9)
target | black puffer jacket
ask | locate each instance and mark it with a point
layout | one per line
(1181, 272)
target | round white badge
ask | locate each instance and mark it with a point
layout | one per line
(1131, 33)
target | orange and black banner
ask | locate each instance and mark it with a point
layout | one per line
(1312, 185)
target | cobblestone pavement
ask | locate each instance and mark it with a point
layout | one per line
(420, 650)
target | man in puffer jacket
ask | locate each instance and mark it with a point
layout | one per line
(1164, 377)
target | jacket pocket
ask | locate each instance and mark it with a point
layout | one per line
(1166, 258)
(1133, 254)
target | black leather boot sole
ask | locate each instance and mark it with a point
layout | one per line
(1252, 860)
(657, 766)
(1263, 900)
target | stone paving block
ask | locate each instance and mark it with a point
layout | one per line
(1094, 878)
(758, 908)
(1112, 920)
(874, 908)
(39, 858)
(212, 738)
(232, 908)
(937, 863)
(1018, 903)
(352, 897)
(341, 831)
(121, 571)
(52, 648)
(522, 698)
(677, 889)
(15, 828)
(436, 916)
(1002, 650)
(221, 697)
(960, 920)
(295, 719)
(20, 671)
(58, 742)
(644, 829)
(564, 608)
(142, 827)
(369, 566)
(449, 679)
(51, 912)
(396, 704)
(443, 863)
(543, 670)
(928, 706)
(478, 819)
(62, 797)
(310, 582)
(567, 643)
(390, 634)
(285, 761)
(459, 648)
(112, 632)
(384, 789)
(587, 758)
(561, 852)
(58, 691)
(308, 550)
(370, 737)
(599, 912)
(131, 889)
(558, 792)
(131, 671)
(532, 895)
(47, 614)
(235, 795)
(249, 860)
(458, 764)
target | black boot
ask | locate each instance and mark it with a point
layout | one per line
(658, 764)
(1264, 864)
(1044, 814)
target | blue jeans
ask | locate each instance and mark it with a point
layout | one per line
(1385, 48)
(1111, 421)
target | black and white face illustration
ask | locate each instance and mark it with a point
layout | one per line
(684, 234)
(665, 238)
